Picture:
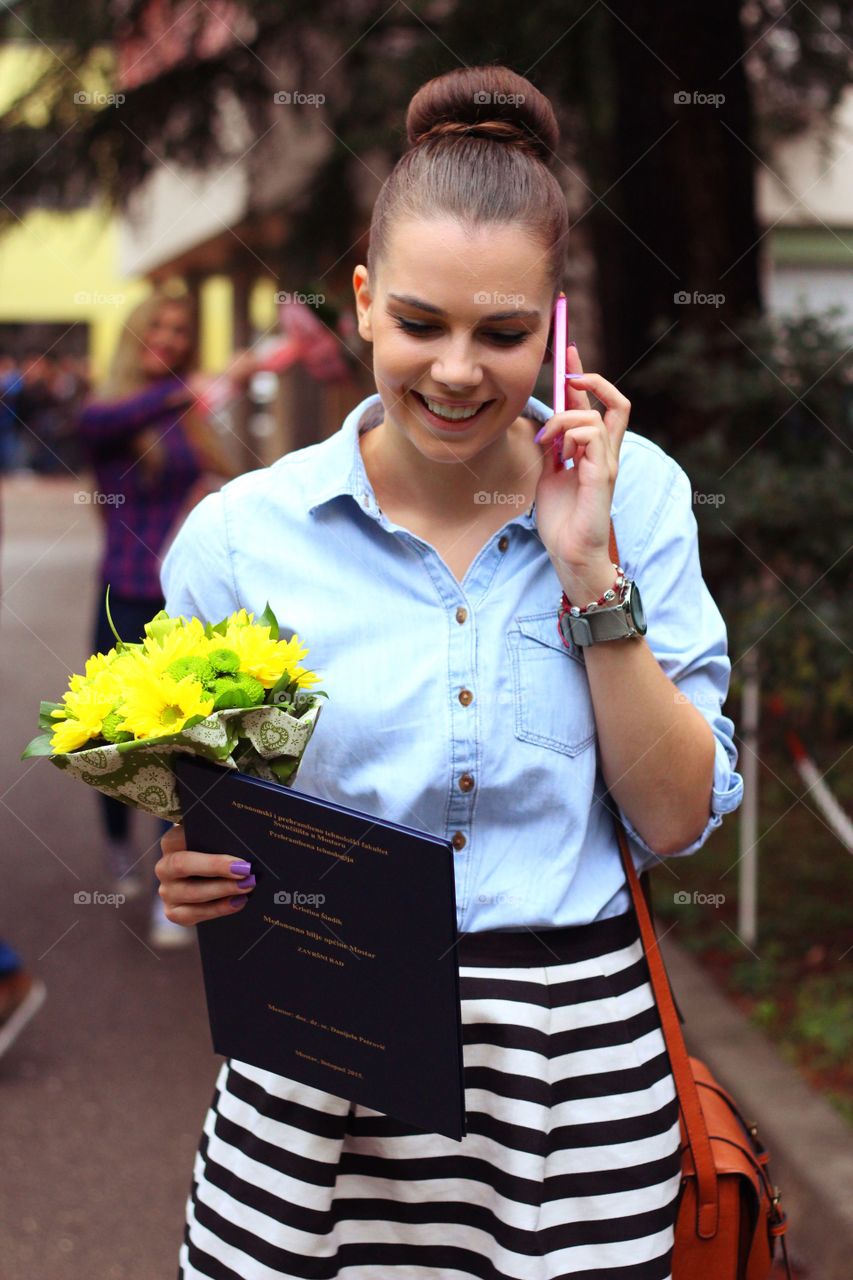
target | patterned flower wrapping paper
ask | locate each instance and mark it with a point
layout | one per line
(265, 741)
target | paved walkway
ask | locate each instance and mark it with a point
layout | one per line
(103, 1096)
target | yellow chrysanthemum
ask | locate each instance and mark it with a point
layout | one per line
(84, 709)
(259, 655)
(156, 705)
(68, 736)
(188, 641)
(96, 666)
(304, 678)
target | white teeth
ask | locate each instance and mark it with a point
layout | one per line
(452, 415)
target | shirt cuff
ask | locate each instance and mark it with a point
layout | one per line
(726, 795)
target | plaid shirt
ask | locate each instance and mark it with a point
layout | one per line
(138, 513)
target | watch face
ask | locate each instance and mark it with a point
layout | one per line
(638, 614)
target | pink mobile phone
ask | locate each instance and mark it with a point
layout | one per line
(560, 331)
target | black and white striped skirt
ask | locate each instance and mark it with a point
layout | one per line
(570, 1166)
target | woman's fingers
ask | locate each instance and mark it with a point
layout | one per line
(199, 886)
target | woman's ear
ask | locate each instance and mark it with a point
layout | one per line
(363, 302)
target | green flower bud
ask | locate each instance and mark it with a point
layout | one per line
(110, 728)
(199, 668)
(224, 661)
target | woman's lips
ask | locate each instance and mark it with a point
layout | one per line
(444, 423)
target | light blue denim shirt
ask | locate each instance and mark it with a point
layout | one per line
(510, 774)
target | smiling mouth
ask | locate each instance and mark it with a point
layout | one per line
(457, 415)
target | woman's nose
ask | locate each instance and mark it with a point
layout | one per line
(456, 371)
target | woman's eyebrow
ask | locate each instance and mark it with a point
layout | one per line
(437, 311)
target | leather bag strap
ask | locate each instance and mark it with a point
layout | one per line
(707, 1198)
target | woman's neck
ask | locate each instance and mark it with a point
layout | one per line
(450, 491)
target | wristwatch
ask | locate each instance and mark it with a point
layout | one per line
(614, 622)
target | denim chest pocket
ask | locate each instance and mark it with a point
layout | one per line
(553, 707)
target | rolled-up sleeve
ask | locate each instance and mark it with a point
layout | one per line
(197, 574)
(687, 635)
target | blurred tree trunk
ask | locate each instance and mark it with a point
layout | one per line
(684, 181)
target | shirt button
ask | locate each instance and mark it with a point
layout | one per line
(503, 544)
(461, 614)
(466, 697)
(458, 841)
(466, 782)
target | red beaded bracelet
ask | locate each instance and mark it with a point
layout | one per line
(610, 594)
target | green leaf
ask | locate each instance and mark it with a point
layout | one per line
(268, 619)
(39, 746)
(46, 720)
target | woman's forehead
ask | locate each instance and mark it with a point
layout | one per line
(445, 251)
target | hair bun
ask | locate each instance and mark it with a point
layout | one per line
(488, 101)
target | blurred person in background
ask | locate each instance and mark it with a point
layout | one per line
(11, 381)
(21, 995)
(39, 413)
(154, 455)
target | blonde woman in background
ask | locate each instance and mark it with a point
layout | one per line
(153, 456)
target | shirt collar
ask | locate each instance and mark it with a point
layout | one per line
(344, 472)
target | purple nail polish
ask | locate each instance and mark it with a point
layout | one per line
(539, 434)
(237, 903)
(572, 344)
(248, 883)
(575, 375)
(240, 868)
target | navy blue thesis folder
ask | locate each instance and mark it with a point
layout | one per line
(341, 971)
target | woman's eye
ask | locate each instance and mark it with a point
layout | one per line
(500, 336)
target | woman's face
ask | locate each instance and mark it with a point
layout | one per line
(460, 317)
(167, 341)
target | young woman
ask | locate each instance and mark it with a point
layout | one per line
(421, 552)
(149, 451)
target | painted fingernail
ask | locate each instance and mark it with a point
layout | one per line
(572, 344)
(237, 903)
(248, 883)
(539, 434)
(240, 868)
(575, 375)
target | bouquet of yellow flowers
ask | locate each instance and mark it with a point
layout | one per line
(232, 692)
